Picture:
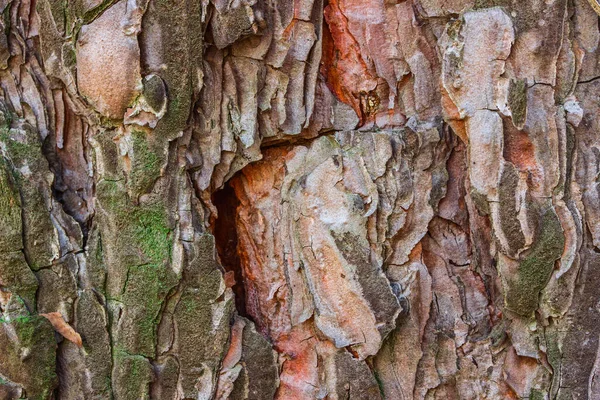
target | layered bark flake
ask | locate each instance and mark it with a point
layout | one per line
(301, 199)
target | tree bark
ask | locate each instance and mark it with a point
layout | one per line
(299, 200)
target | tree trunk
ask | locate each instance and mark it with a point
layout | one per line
(299, 200)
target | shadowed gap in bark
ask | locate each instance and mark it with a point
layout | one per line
(226, 239)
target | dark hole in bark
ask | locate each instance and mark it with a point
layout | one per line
(226, 239)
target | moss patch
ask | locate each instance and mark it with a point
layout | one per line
(536, 267)
(10, 211)
(146, 289)
(132, 375)
(511, 227)
(145, 228)
(517, 101)
(29, 361)
(479, 4)
(537, 395)
(146, 162)
(139, 244)
(16, 276)
(29, 170)
(155, 92)
(152, 233)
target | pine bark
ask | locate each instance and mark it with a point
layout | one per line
(303, 199)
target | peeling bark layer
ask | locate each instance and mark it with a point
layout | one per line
(299, 199)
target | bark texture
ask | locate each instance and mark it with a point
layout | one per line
(307, 199)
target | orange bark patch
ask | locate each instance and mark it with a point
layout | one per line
(301, 349)
(518, 148)
(343, 67)
(257, 182)
(518, 372)
(452, 116)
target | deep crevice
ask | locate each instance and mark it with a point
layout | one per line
(226, 240)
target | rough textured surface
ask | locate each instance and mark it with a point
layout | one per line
(299, 199)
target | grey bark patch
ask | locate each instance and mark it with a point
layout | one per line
(375, 286)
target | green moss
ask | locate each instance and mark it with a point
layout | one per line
(70, 15)
(69, 56)
(21, 152)
(517, 101)
(146, 226)
(188, 305)
(36, 373)
(511, 226)
(148, 284)
(58, 8)
(147, 157)
(146, 162)
(536, 395)
(554, 355)
(152, 233)
(10, 211)
(201, 343)
(16, 276)
(132, 375)
(379, 384)
(142, 246)
(93, 13)
(19, 319)
(25, 328)
(96, 267)
(202, 339)
(112, 197)
(537, 266)
(155, 92)
(479, 4)
(146, 290)
(569, 164)
(17, 150)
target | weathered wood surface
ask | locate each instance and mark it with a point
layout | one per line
(299, 199)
